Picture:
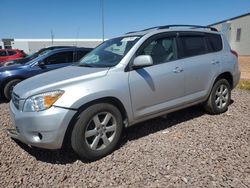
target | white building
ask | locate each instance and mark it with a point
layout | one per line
(237, 30)
(32, 45)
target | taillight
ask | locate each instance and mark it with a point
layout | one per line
(234, 53)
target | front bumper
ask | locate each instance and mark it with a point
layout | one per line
(44, 129)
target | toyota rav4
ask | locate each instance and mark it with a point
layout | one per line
(125, 80)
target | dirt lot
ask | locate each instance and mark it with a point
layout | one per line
(188, 149)
(244, 62)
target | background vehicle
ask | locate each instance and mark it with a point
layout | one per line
(123, 81)
(32, 56)
(50, 60)
(8, 54)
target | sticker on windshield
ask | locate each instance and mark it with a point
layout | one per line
(129, 39)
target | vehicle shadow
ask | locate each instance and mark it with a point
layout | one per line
(3, 101)
(64, 156)
(135, 132)
(161, 123)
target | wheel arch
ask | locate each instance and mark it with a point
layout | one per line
(110, 100)
(225, 75)
(7, 80)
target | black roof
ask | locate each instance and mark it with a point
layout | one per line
(230, 19)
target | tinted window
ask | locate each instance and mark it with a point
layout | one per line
(161, 50)
(11, 52)
(80, 54)
(3, 53)
(215, 42)
(61, 57)
(193, 45)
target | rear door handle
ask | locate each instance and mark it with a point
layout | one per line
(177, 70)
(215, 62)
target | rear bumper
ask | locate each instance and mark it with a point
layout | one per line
(44, 129)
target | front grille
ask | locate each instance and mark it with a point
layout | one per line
(15, 99)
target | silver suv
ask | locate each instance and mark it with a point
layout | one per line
(125, 80)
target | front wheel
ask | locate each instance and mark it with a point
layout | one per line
(9, 88)
(219, 98)
(97, 131)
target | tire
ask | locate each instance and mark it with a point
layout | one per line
(9, 88)
(92, 137)
(219, 98)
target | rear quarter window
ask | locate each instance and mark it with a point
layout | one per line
(214, 42)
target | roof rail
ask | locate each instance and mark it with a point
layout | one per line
(190, 26)
(170, 26)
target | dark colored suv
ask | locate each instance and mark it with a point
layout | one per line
(50, 60)
(22, 60)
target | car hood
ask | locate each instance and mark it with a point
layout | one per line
(11, 67)
(57, 79)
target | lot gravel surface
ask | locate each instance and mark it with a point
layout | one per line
(189, 148)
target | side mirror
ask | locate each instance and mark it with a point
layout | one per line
(41, 64)
(142, 61)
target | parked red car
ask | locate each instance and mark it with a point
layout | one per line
(9, 54)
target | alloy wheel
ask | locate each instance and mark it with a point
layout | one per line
(100, 131)
(221, 96)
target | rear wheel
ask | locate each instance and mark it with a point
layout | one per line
(97, 131)
(219, 98)
(8, 89)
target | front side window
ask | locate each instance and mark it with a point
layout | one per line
(61, 57)
(109, 53)
(193, 45)
(80, 54)
(161, 50)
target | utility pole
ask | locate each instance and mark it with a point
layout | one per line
(102, 15)
(52, 37)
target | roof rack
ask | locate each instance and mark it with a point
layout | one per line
(190, 26)
(170, 26)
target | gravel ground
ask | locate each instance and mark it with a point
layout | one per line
(188, 149)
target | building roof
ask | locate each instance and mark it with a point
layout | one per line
(230, 19)
(57, 40)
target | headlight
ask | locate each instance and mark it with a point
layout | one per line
(41, 101)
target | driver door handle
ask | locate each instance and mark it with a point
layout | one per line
(214, 62)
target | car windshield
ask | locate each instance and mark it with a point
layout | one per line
(35, 56)
(109, 53)
(32, 56)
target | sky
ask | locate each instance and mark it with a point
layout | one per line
(82, 18)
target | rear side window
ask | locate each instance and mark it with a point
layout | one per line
(193, 45)
(214, 41)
